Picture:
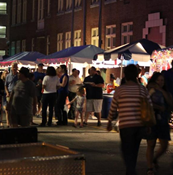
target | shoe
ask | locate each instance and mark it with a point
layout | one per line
(74, 125)
(42, 125)
(99, 123)
(150, 171)
(156, 166)
(49, 124)
(39, 116)
(34, 124)
(85, 124)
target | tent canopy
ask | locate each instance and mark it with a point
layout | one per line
(139, 51)
(22, 58)
(80, 54)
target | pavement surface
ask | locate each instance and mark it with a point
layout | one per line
(100, 148)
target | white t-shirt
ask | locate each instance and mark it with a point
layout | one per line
(73, 87)
(50, 84)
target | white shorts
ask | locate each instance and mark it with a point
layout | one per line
(94, 105)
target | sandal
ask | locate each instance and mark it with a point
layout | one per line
(150, 171)
(155, 162)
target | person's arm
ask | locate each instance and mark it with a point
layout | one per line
(64, 81)
(72, 101)
(100, 83)
(44, 83)
(6, 88)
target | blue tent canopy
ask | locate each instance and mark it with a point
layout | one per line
(78, 54)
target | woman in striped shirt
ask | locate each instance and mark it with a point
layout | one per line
(126, 101)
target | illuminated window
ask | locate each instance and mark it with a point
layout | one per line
(24, 10)
(77, 38)
(68, 4)
(68, 39)
(110, 37)
(126, 32)
(95, 37)
(18, 47)
(23, 45)
(2, 53)
(19, 9)
(2, 32)
(59, 41)
(3, 8)
(14, 12)
(40, 9)
(77, 3)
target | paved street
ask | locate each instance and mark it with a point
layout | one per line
(101, 148)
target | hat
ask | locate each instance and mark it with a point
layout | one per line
(40, 64)
(24, 71)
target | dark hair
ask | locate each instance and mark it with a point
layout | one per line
(131, 73)
(24, 71)
(81, 90)
(93, 68)
(155, 77)
(64, 67)
(51, 71)
(31, 75)
(74, 69)
(78, 72)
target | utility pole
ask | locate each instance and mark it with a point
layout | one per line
(84, 22)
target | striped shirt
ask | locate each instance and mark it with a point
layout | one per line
(126, 101)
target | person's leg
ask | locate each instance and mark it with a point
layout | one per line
(89, 109)
(76, 117)
(81, 116)
(150, 153)
(162, 149)
(51, 99)
(71, 113)
(44, 109)
(97, 109)
(129, 148)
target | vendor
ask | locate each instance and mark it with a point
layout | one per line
(110, 86)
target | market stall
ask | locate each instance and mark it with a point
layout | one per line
(26, 59)
(74, 57)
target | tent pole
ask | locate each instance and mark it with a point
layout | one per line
(121, 69)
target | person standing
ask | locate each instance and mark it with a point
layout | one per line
(126, 101)
(22, 102)
(49, 85)
(38, 78)
(74, 81)
(62, 94)
(94, 94)
(162, 104)
(10, 82)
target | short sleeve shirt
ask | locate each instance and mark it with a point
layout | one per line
(10, 81)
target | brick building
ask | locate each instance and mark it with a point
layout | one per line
(48, 26)
(4, 27)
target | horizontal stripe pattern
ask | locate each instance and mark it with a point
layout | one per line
(126, 101)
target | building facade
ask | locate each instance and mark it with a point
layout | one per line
(48, 26)
(4, 27)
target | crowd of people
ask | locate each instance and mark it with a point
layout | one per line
(26, 94)
(126, 106)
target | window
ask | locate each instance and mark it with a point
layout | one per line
(19, 6)
(110, 37)
(23, 45)
(48, 7)
(32, 44)
(126, 32)
(77, 38)
(12, 48)
(40, 9)
(48, 45)
(33, 10)
(95, 37)
(60, 5)
(18, 47)
(2, 32)
(59, 41)
(24, 10)
(68, 39)
(14, 12)
(3, 8)
(110, 1)
(2, 53)
(68, 4)
(77, 3)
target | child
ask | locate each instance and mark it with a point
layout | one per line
(80, 105)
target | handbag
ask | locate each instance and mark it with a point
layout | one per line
(147, 112)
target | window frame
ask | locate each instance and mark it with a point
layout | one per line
(95, 38)
(3, 34)
(59, 41)
(60, 5)
(127, 33)
(110, 36)
(77, 39)
(67, 40)
(3, 12)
